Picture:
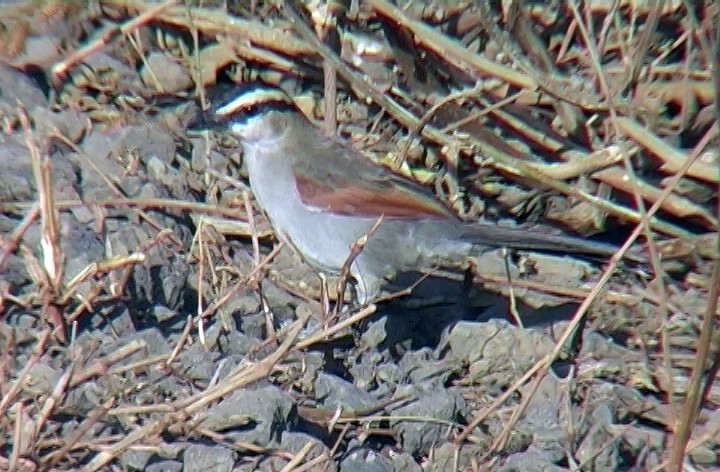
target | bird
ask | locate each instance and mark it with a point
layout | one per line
(321, 196)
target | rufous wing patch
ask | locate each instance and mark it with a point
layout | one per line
(369, 199)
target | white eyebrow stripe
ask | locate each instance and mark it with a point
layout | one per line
(250, 99)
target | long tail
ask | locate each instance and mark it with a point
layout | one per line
(533, 238)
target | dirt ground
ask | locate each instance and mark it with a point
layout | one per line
(150, 321)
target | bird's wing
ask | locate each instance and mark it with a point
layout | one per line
(346, 183)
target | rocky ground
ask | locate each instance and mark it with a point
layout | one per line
(150, 321)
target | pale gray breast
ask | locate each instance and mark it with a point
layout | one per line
(319, 237)
(270, 183)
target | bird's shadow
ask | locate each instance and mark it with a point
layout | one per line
(437, 303)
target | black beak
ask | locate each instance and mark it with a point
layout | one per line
(202, 121)
(207, 119)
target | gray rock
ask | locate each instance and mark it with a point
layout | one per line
(202, 158)
(106, 147)
(106, 324)
(161, 278)
(237, 343)
(488, 346)
(41, 379)
(16, 179)
(596, 448)
(134, 459)
(365, 367)
(335, 392)
(404, 462)
(124, 77)
(438, 404)
(162, 313)
(81, 247)
(82, 399)
(168, 388)
(242, 304)
(421, 366)
(42, 50)
(164, 466)
(293, 442)
(545, 418)
(366, 460)
(253, 325)
(532, 461)
(22, 327)
(159, 170)
(199, 458)
(389, 374)
(448, 457)
(155, 344)
(374, 334)
(197, 363)
(313, 363)
(257, 416)
(163, 74)
(69, 123)
(17, 87)
(173, 280)
(14, 270)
